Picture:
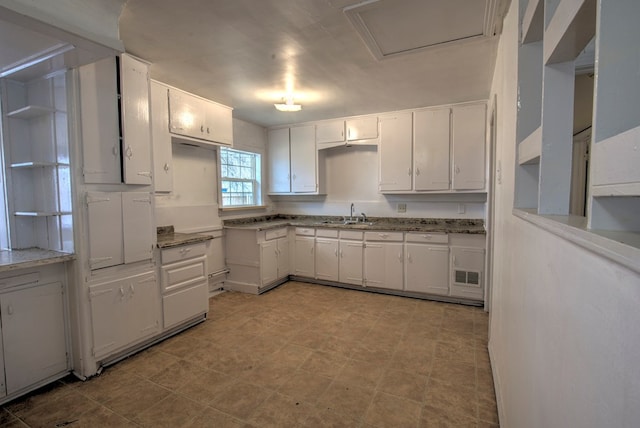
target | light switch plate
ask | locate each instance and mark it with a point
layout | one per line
(402, 208)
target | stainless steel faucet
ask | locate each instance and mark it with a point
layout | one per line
(364, 217)
(351, 216)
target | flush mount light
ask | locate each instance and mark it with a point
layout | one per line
(288, 105)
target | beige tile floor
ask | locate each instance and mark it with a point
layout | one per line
(299, 355)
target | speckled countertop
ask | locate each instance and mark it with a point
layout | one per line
(444, 225)
(168, 238)
(31, 257)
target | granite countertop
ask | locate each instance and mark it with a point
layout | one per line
(31, 257)
(466, 226)
(168, 238)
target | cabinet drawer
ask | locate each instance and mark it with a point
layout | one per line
(438, 238)
(384, 236)
(182, 274)
(184, 304)
(327, 233)
(350, 234)
(275, 234)
(183, 252)
(305, 231)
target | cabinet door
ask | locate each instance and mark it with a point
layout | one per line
(100, 122)
(395, 153)
(330, 134)
(186, 115)
(467, 266)
(33, 335)
(268, 262)
(136, 131)
(303, 160)
(107, 317)
(363, 128)
(468, 147)
(279, 161)
(138, 227)
(104, 214)
(143, 307)
(162, 156)
(427, 269)
(283, 257)
(305, 256)
(327, 259)
(383, 265)
(431, 149)
(218, 124)
(351, 262)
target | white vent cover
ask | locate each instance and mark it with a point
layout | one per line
(395, 27)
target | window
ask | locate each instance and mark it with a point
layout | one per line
(240, 175)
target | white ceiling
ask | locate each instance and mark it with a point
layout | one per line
(249, 53)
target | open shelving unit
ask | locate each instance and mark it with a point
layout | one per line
(558, 40)
(36, 158)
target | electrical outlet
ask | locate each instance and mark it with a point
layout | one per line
(461, 208)
(402, 208)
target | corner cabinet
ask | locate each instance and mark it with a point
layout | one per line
(198, 118)
(257, 260)
(162, 155)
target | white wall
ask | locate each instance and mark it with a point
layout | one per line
(352, 177)
(564, 337)
(193, 203)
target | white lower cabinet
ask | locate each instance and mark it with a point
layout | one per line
(467, 266)
(351, 256)
(304, 252)
(123, 312)
(184, 283)
(274, 259)
(427, 263)
(327, 255)
(384, 260)
(33, 335)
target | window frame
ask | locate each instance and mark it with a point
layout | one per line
(256, 180)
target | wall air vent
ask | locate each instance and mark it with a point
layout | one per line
(468, 278)
(394, 27)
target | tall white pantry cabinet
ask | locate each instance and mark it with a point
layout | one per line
(115, 286)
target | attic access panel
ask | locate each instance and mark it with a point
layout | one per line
(394, 27)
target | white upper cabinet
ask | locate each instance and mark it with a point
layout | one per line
(136, 131)
(444, 152)
(279, 160)
(431, 149)
(100, 130)
(355, 131)
(303, 160)
(195, 117)
(103, 146)
(468, 147)
(362, 128)
(330, 134)
(162, 157)
(395, 152)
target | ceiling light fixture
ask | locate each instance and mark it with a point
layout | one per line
(288, 105)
